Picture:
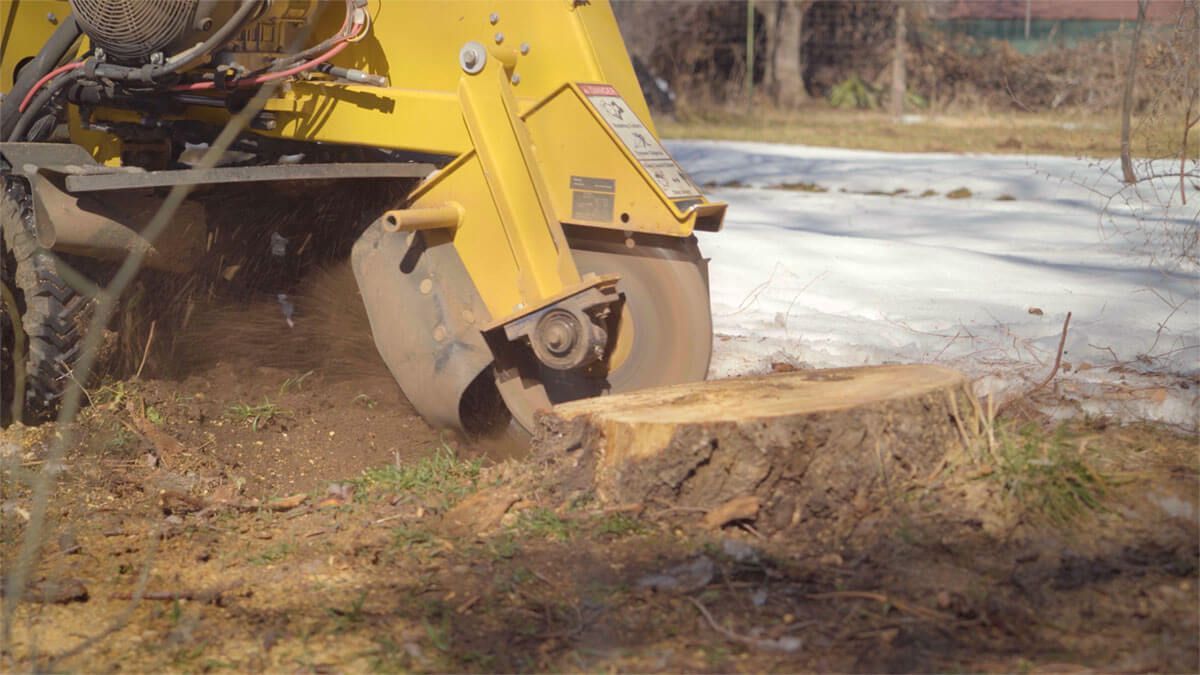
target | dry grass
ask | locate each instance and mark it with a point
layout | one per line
(1071, 134)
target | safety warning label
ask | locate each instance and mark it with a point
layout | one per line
(644, 146)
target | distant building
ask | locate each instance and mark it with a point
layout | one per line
(1032, 25)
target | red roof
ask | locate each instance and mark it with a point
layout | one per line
(1102, 10)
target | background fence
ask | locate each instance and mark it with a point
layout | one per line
(1031, 55)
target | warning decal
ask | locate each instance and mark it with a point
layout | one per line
(640, 142)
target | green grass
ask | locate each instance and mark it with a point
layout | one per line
(441, 473)
(408, 537)
(112, 394)
(121, 439)
(388, 656)
(294, 383)
(256, 416)
(503, 546)
(155, 416)
(271, 554)
(542, 522)
(620, 525)
(345, 619)
(1047, 475)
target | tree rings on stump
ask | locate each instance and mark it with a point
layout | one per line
(819, 449)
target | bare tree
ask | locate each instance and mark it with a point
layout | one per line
(785, 50)
(1127, 98)
(899, 86)
(1192, 94)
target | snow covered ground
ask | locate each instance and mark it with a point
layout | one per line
(981, 283)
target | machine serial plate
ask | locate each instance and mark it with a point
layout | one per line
(592, 198)
(640, 142)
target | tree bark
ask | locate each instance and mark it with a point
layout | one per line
(1127, 98)
(899, 84)
(817, 450)
(787, 53)
(1192, 86)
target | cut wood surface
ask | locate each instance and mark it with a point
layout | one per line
(819, 449)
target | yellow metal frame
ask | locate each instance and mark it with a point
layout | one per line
(25, 25)
(521, 130)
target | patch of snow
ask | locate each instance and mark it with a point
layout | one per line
(843, 278)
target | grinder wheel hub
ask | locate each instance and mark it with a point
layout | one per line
(559, 332)
(565, 339)
(663, 334)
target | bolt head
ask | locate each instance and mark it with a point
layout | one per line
(499, 38)
(494, 18)
(516, 79)
(470, 57)
(524, 47)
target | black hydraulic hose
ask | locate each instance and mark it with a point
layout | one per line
(218, 38)
(47, 58)
(15, 124)
(26, 119)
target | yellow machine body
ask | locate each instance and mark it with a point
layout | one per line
(25, 25)
(536, 101)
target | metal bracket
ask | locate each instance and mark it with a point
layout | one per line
(569, 331)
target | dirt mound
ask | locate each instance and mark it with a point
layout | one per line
(379, 575)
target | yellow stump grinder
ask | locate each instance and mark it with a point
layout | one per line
(519, 235)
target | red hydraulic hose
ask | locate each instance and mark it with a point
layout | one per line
(270, 77)
(46, 78)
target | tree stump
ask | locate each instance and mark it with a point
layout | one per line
(814, 450)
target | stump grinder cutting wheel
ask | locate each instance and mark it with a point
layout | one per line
(535, 240)
(665, 334)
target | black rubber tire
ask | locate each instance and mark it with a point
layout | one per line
(53, 315)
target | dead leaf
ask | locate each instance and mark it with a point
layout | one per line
(831, 560)
(176, 501)
(287, 503)
(57, 591)
(168, 446)
(337, 494)
(739, 508)
(481, 512)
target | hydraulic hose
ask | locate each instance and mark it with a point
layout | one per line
(269, 77)
(46, 78)
(218, 38)
(51, 53)
(35, 107)
(22, 106)
(340, 43)
(342, 34)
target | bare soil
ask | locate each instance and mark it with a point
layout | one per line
(253, 515)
